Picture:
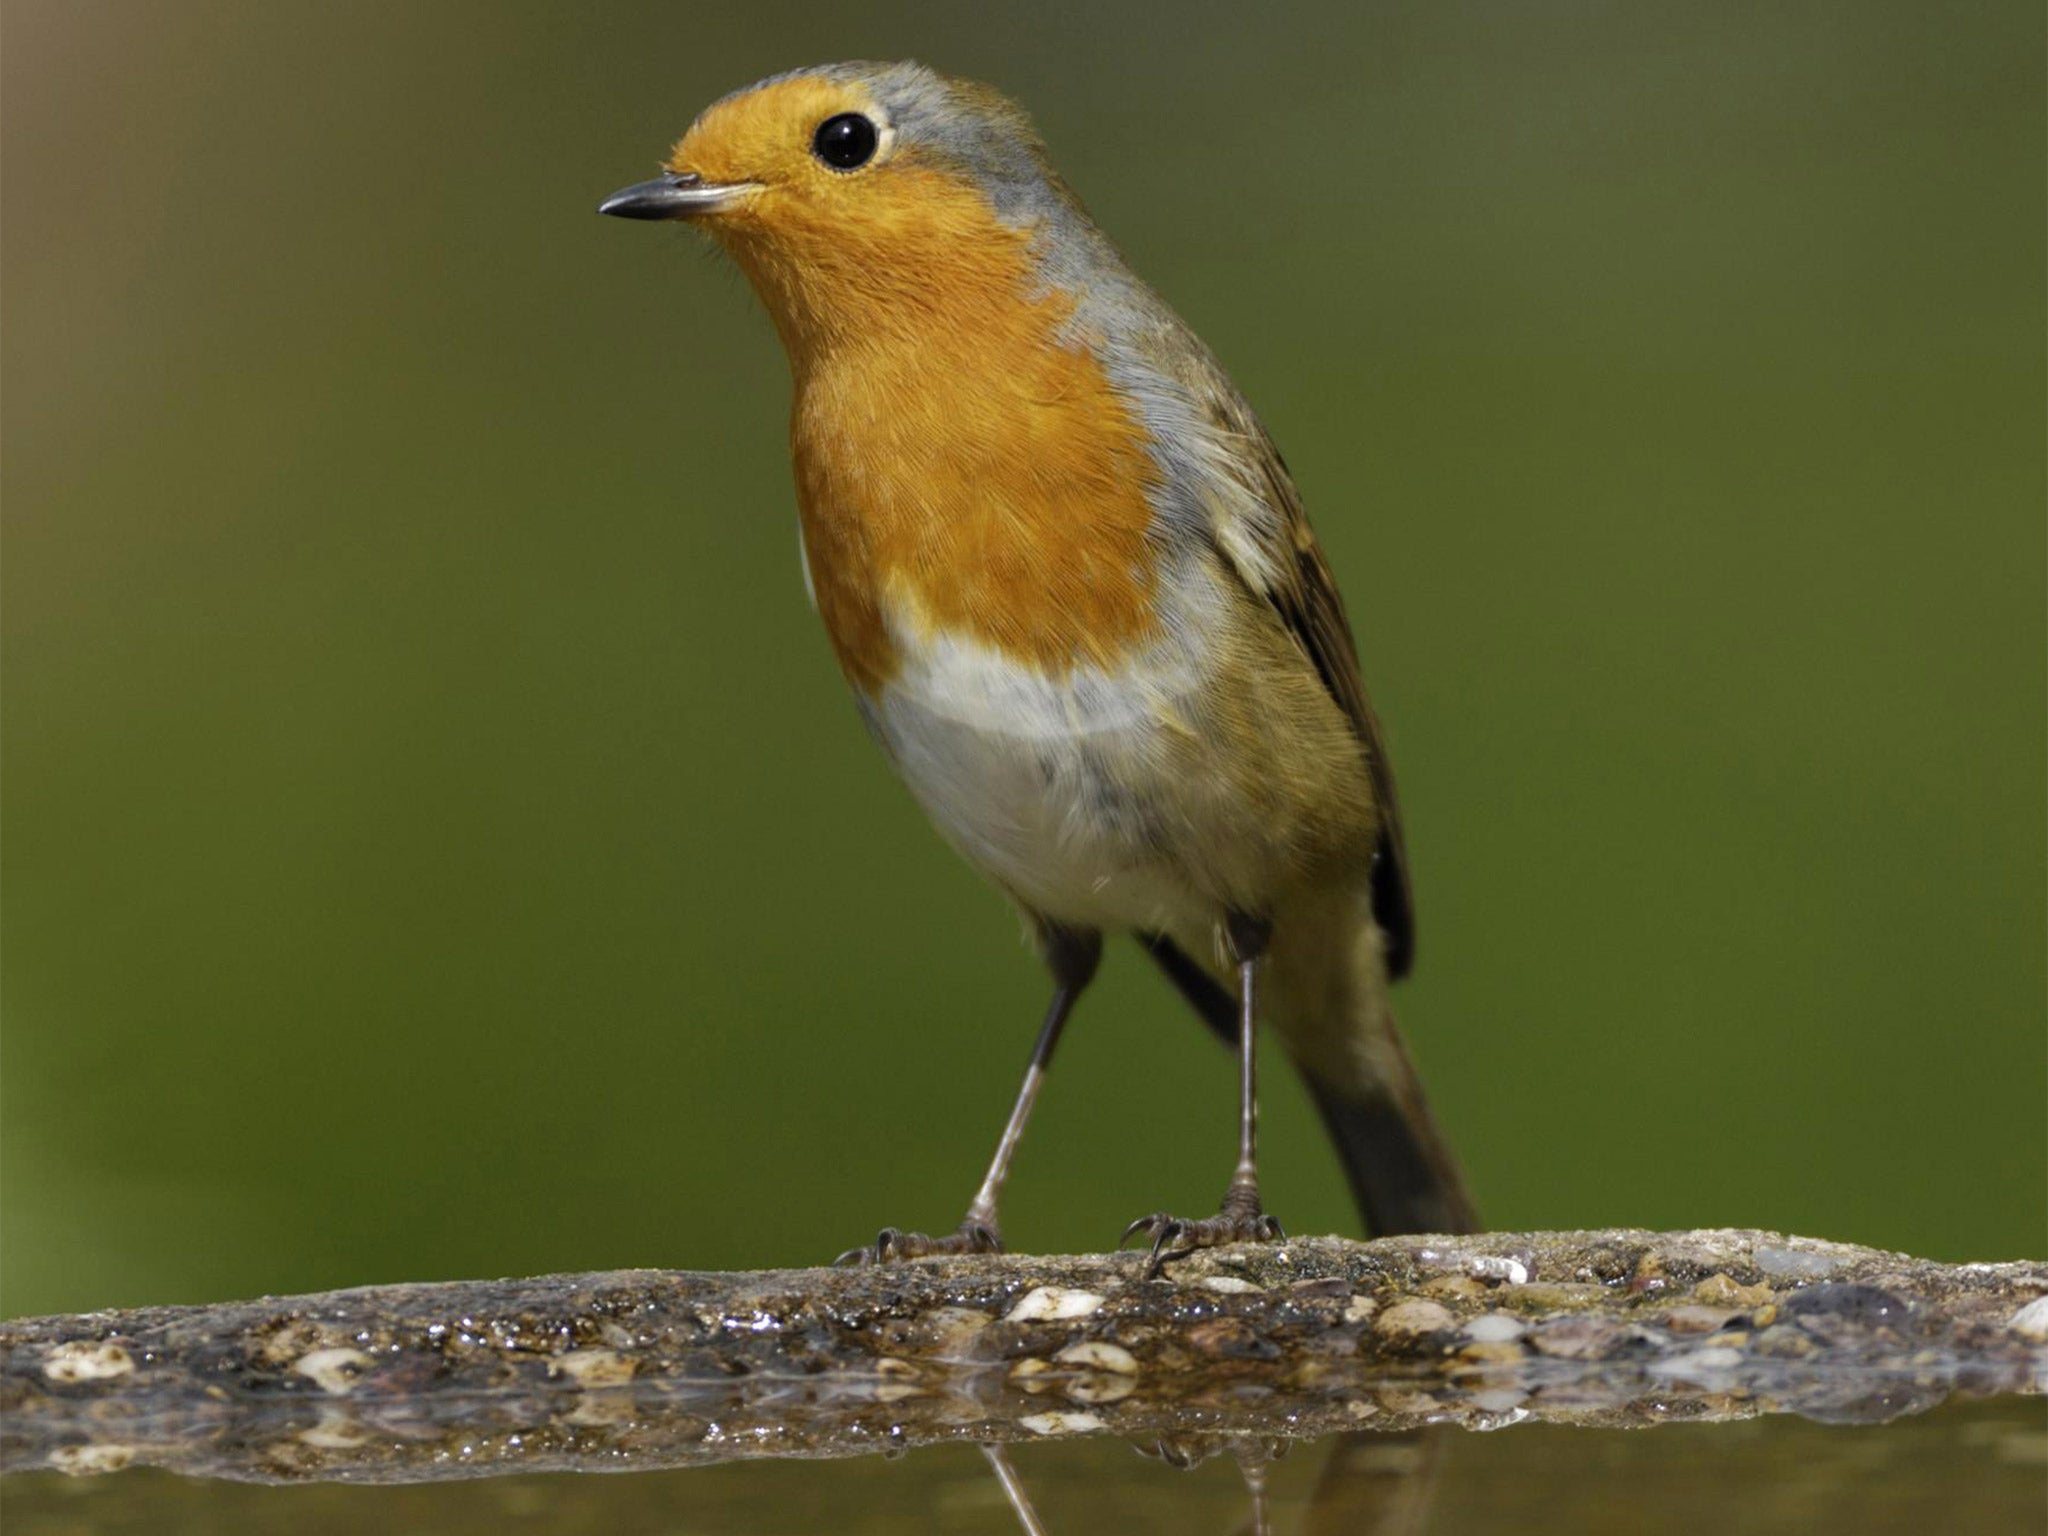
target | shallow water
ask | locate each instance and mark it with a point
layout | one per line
(1964, 1467)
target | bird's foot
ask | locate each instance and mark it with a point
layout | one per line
(1242, 1220)
(892, 1246)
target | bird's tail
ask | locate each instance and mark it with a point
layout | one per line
(1327, 997)
(1403, 1174)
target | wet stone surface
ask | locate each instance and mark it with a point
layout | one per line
(652, 1368)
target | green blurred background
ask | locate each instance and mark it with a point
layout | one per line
(437, 839)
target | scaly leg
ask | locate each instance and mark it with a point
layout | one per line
(1072, 956)
(1243, 1218)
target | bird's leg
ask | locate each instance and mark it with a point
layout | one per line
(1072, 956)
(1243, 1218)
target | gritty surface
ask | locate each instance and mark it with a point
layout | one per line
(647, 1368)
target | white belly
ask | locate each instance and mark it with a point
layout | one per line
(1059, 789)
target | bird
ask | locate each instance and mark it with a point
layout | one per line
(1072, 586)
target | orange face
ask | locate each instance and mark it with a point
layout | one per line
(835, 250)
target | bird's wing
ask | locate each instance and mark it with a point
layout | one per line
(1278, 559)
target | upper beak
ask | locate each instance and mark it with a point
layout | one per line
(678, 195)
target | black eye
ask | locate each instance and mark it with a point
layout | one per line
(845, 142)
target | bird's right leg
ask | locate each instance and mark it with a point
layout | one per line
(1072, 955)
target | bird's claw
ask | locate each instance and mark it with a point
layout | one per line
(1242, 1220)
(893, 1246)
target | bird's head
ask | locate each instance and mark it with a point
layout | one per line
(864, 195)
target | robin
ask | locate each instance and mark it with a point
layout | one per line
(1071, 583)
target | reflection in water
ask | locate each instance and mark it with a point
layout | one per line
(1377, 1485)
(1013, 1490)
(1964, 1467)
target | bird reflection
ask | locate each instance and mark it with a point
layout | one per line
(1370, 1484)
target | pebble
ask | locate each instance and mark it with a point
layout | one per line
(593, 1367)
(1501, 1270)
(1053, 1303)
(69, 1364)
(1792, 1264)
(1578, 1338)
(1455, 1287)
(1495, 1328)
(1101, 1356)
(1722, 1291)
(1868, 1306)
(89, 1460)
(1691, 1318)
(1549, 1296)
(2031, 1321)
(1061, 1423)
(1414, 1318)
(333, 1370)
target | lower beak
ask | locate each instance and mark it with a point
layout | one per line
(678, 195)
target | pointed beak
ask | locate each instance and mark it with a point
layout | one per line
(678, 195)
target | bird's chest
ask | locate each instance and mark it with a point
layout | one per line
(993, 487)
(986, 568)
(1060, 786)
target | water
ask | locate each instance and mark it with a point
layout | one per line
(1965, 1467)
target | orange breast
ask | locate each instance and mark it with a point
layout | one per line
(960, 468)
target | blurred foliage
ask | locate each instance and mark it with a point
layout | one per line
(437, 839)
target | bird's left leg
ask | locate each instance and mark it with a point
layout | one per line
(1072, 955)
(1243, 1218)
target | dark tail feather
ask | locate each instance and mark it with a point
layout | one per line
(1403, 1174)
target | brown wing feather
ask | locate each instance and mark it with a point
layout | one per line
(1304, 594)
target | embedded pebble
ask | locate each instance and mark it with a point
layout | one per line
(1579, 1338)
(1414, 1318)
(1101, 1356)
(1691, 1318)
(84, 1460)
(1495, 1328)
(1231, 1337)
(1719, 1290)
(1359, 1308)
(1061, 1423)
(1791, 1264)
(333, 1370)
(1053, 1303)
(69, 1364)
(1544, 1296)
(593, 1367)
(1452, 1287)
(2031, 1321)
(1505, 1270)
(1229, 1285)
(1866, 1305)
(950, 1330)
